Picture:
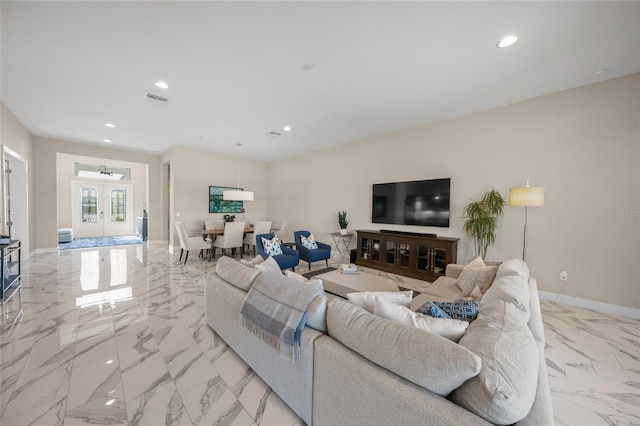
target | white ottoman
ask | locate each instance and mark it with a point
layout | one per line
(65, 235)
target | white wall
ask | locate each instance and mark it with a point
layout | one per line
(46, 185)
(193, 171)
(66, 174)
(583, 145)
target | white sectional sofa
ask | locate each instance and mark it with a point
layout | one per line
(357, 368)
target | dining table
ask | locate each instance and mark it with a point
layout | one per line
(213, 233)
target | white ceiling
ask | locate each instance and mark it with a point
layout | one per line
(234, 69)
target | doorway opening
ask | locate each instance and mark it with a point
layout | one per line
(16, 199)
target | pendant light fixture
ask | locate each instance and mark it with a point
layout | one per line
(238, 194)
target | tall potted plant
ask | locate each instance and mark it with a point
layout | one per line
(482, 220)
(343, 222)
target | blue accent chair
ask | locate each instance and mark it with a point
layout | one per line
(323, 252)
(288, 259)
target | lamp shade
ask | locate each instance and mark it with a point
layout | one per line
(237, 195)
(526, 196)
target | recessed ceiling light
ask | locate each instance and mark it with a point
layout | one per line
(239, 144)
(507, 41)
(600, 71)
(274, 134)
(110, 125)
(162, 85)
(107, 140)
(287, 128)
(307, 66)
(198, 138)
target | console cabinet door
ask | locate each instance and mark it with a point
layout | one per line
(369, 252)
(425, 258)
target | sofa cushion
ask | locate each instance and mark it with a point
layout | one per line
(476, 273)
(317, 310)
(504, 391)
(444, 289)
(236, 273)
(448, 328)
(308, 242)
(301, 278)
(406, 351)
(272, 246)
(316, 316)
(512, 289)
(253, 262)
(269, 265)
(434, 311)
(513, 267)
(365, 299)
(317, 313)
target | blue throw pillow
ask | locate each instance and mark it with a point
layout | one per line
(464, 310)
(432, 310)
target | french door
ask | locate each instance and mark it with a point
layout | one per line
(101, 210)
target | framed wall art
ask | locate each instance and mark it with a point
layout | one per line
(218, 205)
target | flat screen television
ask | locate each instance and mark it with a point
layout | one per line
(419, 202)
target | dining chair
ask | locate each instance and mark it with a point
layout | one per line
(213, 224)
(278, 225)
(232, 238)
(261, 227)
(190, 243)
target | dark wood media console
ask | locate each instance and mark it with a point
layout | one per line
(410, 254)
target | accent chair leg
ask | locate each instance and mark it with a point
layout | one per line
(327, 262)
(186, 257)
(181, 251)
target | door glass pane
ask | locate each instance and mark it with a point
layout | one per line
(118, 207)
(89, 204)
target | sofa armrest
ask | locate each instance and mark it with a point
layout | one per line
(454, 270)
(290, 251)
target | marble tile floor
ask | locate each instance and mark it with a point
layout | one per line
(116, 336)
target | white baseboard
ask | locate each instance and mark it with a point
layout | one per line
(606, 308)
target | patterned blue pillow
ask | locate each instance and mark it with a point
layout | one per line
(309, 242)
(272, 246)
(466, 310)
(432, 310)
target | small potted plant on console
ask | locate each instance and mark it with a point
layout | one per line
(343, 222)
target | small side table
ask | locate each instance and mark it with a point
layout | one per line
(342, 244)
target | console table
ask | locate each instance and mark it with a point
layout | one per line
(411, 255)
(10, 268)
(342, 242)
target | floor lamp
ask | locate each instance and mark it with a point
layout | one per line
(526, 196)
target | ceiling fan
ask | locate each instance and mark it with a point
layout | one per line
(105, 171)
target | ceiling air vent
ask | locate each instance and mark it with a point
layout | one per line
(274, 134)
(154, 97)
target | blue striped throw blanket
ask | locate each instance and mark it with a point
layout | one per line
(275, 311)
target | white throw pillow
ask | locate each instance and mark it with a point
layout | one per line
(253, 262)
(476, 273)
(272, 246)
(309, 242)
(269, 265)
(300, 278)
(451, 329)
(365, 299)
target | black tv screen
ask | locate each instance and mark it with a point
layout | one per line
(419, 202)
